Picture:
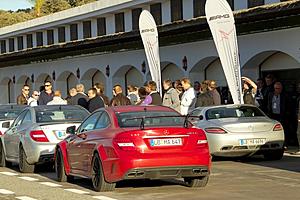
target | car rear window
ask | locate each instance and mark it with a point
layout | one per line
(151, 119)
(233, 112)
(75, 115)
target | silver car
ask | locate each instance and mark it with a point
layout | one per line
(8, 114)
(32, 137)
(240, 130)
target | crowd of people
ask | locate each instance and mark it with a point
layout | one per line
(180, 95)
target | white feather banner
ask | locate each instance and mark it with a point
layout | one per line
(222, 25)
(149, 34)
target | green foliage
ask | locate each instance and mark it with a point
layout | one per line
(75, 3)
(52, 6)
(41, 8)
(8, 18)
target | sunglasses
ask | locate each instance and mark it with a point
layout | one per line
(47, 85)
(26, 89)
(36, 95)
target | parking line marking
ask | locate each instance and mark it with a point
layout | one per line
(103, 198)
(27, 178)
(9, 173)
(76, 191)
(25, 198)
(51, 184)
(4, 191)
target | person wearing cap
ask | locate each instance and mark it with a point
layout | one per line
(214, 93)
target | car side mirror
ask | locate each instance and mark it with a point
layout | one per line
(201, 117)
(6, 125)
(71, 130)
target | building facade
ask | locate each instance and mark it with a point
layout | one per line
(100, 42)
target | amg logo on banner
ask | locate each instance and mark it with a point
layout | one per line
(148, 30)
(218, 17)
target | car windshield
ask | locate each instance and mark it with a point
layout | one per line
(75, 115)
(233, 112)
(10, 114)
(151, 119)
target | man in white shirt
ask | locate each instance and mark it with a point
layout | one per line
(188, 98)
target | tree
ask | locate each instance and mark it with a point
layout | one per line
(37, 6)
(8, 18)
(75, 3)
(52, 6)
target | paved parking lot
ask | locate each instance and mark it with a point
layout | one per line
(252, 178)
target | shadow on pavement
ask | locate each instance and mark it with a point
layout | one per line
(288, 162)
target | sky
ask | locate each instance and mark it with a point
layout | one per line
(14, 4)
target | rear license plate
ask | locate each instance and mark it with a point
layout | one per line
(60, 134)
(166, 142)
(248, 142)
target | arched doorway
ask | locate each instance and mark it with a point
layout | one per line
(41, 79)
(66, 81)
(171, 71)
(7, 91)
(91, 77)
(128, 75)
(23, 80)
(214, 71)
(197, 73)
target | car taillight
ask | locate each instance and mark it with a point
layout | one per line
(278, 127)
(38, 136)
(124, 143)
(215, 130)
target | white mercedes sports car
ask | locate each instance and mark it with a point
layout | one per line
(240, 130)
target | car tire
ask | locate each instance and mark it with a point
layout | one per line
(274, 154)
(24, 166)
(60, 167)
(2, 156)
(98, 180)
(196, 181)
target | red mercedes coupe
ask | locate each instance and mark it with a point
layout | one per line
(134, 142)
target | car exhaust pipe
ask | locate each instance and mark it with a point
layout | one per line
(135, 174)
(200, 171)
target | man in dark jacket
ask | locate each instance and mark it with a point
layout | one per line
(22, 99)
(119, 98)
(80, 98)
(46, 95)
(278, 107)
(152, 89)
(95, 101)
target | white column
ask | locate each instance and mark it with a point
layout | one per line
(94, 28)
(271, 1)
(55, 35)
(146, 7)
(67, 33)
(188, 9)
(45, 38)
(109, 86)
(33, 40)
(7, 45)
(80, 31)
(128, 20)
(25, 41)
(110, 24)
(240, 4)
(16, 43)
(166, 12)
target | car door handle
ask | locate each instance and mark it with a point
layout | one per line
(82, 136)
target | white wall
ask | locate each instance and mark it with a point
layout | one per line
(199, 55)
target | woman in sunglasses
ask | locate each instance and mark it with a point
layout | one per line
(33, 100)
